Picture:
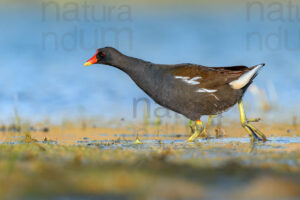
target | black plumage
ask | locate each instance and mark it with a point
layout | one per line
(189, 89)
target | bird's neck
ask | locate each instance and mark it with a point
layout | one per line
(134, 67)
(130, 65)
(140, 71)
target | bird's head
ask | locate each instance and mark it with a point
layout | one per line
(106, 55)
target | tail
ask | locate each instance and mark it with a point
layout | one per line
(246, 79)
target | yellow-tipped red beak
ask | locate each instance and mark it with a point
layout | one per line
(91, 61)
(87, 63)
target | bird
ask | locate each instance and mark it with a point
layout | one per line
(189, 89)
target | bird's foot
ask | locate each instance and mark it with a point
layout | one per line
(253, 120)
(254, 133)
(197, 131)
(193, 137)
(202, 134)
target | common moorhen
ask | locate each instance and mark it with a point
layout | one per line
(189, 89)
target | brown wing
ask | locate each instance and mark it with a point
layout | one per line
(211, 77)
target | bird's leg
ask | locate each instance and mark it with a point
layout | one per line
(205, 132)
(210, 117)
(198, 128)
(253, 132)
(197, 131)
(192, 127)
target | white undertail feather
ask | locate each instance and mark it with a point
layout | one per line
(243, 80)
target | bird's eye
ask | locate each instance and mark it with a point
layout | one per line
(102, 54)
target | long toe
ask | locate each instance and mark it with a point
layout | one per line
(257, 132)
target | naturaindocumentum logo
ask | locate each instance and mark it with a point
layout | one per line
(143, 107)
(280, 18)
(88, 26)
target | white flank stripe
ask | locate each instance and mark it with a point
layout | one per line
(206, 90)
(188, 80)
(193, 81)
(182, 77)
(245, 78)
(215, 97)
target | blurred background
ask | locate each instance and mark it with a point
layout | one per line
(74, 132)
(45, 43)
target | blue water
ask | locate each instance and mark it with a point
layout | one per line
(47, 81)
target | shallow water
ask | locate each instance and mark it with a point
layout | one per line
(212, 147)
(216, 168)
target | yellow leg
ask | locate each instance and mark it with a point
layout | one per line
(205, 133)
(199, 129)
(252, 131)
(192, 126)
(210, 117)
